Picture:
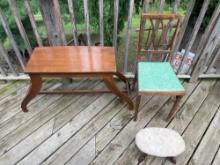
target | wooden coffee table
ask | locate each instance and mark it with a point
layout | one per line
(69, 61)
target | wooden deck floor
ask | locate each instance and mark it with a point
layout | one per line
(98, 129)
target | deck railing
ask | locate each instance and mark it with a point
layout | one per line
(206, 54)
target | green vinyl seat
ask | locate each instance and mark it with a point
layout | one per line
(157, 77)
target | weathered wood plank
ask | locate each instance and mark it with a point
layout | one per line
(186, 113)
(190, 7)
(20, 26)
(194, 32)
(128, 34)
(195, 131)
(21, 117)
(65, 116)
(85, 155)
(86, 16)
(33, 22)
(107, 133)
(65, 133)
(9, 89)
(51, 16)
(217, 158)
(20, 150)
(209, 144)
(9, 106)
(62, 104)
(10, 77)
(101, 21)
(5, 55)
(11, 38)
(132, 153)
(192, 93)
(73, 21)
(86, 133)
(119, 144)
(115, 31)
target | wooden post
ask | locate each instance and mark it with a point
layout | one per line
(33, 22)
(73, 21)
(115, 32)
(190, 7)
(208, 32)
(195, 31)
(217, 56)
(11, 38)
(5, 55)
(212, 41)
(146, 5)
(128, 35)
(86, 15)
(161, 6)
(20, 26)
(101, 27)
(2, 72)
(176, 6)
(51, 16)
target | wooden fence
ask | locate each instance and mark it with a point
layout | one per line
(206, 54)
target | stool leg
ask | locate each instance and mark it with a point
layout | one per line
(136, 110)
(178, 98)
(172, 159)
(141, 158)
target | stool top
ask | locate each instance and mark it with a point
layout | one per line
(161, 142)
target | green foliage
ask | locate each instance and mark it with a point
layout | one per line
(208, 15)
(11, 21)
(108, 15)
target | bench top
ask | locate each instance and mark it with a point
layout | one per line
(72, 59)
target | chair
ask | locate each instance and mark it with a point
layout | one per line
(157, 36)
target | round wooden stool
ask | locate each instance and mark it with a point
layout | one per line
(161, 142)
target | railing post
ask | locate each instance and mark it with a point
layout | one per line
(51, 16)
(115, 31)
(20, 26)
(86, 16)
(101, 22)
(11, 38)
(195, 31)
(128, 34)
(33, 22)
(73, 21)
(5, 55)
(190, 7)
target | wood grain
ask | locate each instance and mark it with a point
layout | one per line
(71, 60)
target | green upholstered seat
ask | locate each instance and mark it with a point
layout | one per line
(157, 77)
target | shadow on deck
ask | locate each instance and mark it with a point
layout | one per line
(98, 129)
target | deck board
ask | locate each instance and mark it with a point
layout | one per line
(98, 129)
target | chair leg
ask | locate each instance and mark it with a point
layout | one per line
(134, 82)
(172, 111)
(136, 110)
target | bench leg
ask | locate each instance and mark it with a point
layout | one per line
(34, 89)
(172, 111)
(111, 86)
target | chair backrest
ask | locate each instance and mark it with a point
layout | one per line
(157, 36)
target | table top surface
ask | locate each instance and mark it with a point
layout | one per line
(72, 59)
